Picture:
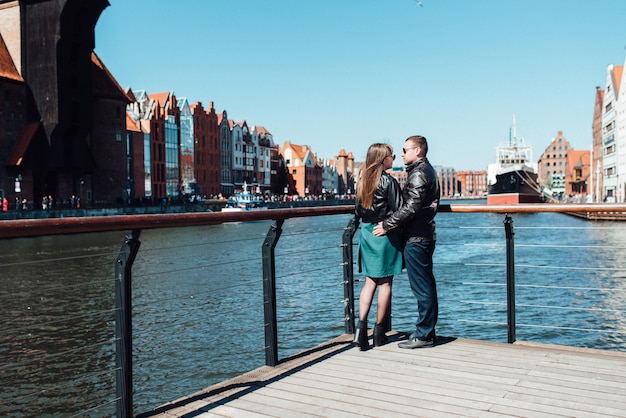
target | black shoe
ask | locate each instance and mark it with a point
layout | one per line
(360, 336)
(432, 336)
(379, 335)
(416, 343)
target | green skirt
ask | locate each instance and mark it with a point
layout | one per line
(379, 256)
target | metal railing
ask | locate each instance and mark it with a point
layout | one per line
(136, 223)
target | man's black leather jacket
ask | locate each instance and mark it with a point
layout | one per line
(386, 200)
(416, 216)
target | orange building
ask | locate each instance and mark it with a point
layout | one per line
(305, 173)
(577, 170)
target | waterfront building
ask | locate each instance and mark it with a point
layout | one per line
(330, 181)
(166, 104)
(612, 185)
(304, 170)
(68, 138)
(447, 181)
(250, 160)
(15, 172)
(345, 173)
(551, 166)
(206, 154)
(557, 181)
(145, 110)
(138, 157)
(279, 173)
(263, 145)
(596, 186)
(186, 152)
(620, 134)
(577, 172)
(240, 143)
(211, 183)
(471, 183)
(224, 126)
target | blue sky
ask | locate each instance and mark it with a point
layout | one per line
(338, 74)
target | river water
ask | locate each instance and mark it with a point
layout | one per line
(198, 301)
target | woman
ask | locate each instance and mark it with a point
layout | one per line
(377, 196)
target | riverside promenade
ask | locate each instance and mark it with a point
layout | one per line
(455, 378)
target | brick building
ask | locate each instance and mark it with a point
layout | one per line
(304, 170)
(472, 183)
(73, 114)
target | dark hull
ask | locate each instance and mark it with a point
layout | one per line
(514, 187)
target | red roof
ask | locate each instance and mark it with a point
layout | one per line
(7, 66)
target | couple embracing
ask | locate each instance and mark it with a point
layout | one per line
(397, 226)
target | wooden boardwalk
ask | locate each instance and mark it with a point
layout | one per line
(456, 378)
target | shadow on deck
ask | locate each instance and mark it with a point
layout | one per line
(457, 377)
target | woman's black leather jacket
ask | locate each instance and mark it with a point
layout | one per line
(416, 216)
(387, 199)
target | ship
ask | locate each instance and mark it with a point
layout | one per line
(513, 178)
(244, 201)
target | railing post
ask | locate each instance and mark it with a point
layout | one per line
(269, 292)
(510, 279)
(348, 273)
(123, 325)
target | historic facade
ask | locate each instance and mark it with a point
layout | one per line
(552, 165)
(68, 120)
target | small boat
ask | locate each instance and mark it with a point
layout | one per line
(243, 201)
(513, 179)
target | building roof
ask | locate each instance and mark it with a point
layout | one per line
(578, 159)
(301, 151)
(161, 98)
(104, 83)
(7, 66)
(131, 124)
(262, 131)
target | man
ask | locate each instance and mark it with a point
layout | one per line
(416, 220)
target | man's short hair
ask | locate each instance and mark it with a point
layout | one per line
(420, 142)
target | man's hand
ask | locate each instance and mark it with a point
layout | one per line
(378, 230)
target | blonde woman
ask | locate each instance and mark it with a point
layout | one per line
(380, 258)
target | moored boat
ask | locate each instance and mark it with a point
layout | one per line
(244, 201)
(513, 179)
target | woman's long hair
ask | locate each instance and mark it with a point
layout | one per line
(369, 176)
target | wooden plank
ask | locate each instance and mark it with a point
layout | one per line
(458, 378)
